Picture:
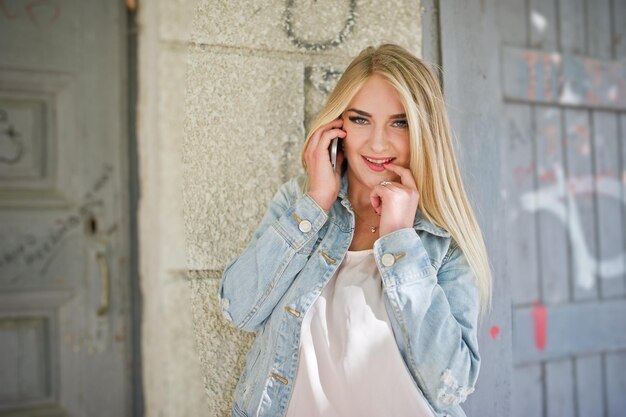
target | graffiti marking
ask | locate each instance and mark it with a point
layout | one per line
(319, 45)
(15, 150)
(37, 11)
(558, 199)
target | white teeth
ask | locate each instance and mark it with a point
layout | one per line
(378, 161)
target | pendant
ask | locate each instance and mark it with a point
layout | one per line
(373, 229)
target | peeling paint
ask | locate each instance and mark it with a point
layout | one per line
(569, 96)
(540, 23)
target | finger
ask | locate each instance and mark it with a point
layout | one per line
(328, 136)
(376, 203)
(334, 123)
(405, 174)
(313, 143)
(323, 146)
(376, 198)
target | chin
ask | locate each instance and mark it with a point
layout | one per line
(373, 180)
(369, 178)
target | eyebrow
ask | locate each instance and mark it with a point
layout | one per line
(364, 113)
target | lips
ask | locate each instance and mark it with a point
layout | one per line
(377, 164)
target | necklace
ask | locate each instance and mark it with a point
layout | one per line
(372, 228)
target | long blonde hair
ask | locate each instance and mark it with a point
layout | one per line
(443, 200)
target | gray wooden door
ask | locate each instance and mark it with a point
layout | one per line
(64, 268)
(548, 79)
(564, 91)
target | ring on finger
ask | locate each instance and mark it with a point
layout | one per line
(385, 183)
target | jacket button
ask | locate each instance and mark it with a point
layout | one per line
(305, 226)
(388, 259)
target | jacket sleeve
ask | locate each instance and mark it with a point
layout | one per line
(254, 282)
(434, 315)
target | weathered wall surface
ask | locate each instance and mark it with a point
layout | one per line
(172, 379)
(256, 76)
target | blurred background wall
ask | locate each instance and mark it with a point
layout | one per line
(140, 144)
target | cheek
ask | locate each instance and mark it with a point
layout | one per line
(404, 150)
(354, 139)
(349, 148)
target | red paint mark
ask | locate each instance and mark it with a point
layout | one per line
(32, 6)
(572, 187)
(521, 172)
(592, 98)
(547, 76)
(540, 317)
(37, 11)
(550, 132)
(531, 61)
(494, 332)
(582, 132)
(121, 335)
(547, 176)
(5, 11)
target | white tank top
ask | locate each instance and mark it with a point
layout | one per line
(350, 364)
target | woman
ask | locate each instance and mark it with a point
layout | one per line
(365, 283)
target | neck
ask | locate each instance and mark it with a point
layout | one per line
(359, 196)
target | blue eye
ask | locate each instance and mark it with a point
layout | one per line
(358, 120)
(400, 123)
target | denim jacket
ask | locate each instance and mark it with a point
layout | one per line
(430, 295)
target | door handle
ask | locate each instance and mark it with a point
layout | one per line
(103, 268)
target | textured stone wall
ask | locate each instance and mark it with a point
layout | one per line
(227, 90)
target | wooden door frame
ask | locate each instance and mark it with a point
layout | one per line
(136, 304)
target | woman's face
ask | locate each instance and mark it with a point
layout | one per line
(377, 133)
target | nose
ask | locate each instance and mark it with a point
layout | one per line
(378, 141)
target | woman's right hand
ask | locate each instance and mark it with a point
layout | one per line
(324, 183)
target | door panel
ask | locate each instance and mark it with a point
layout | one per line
(64, 270)
(560, 83)
(564, 81)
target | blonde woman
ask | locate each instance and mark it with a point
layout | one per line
(364, 283)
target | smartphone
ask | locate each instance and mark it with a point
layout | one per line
(333, 153)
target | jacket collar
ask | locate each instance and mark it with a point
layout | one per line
(420, 223)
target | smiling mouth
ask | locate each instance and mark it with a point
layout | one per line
(378, 161)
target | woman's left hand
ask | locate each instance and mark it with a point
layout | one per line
(395, 203)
